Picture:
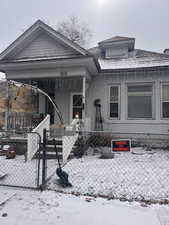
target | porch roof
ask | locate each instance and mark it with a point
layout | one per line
(55, 64)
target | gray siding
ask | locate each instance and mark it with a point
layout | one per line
(43, 46)
(99, 88)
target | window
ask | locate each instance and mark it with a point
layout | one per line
(116, 53)
(114, 102)
(140, 102)
(77, 106)
(165, 101)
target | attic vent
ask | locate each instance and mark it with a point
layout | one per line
(116, 53)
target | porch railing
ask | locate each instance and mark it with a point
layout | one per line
(74, 125)
(33, 137)
(19, 120)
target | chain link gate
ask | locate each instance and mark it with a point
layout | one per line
(17, 171)
(27, 169)
(49, 164)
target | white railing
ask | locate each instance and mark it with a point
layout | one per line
(69, 141)
(74, 125)
(80, 125)
(44, 124)
(33, 138)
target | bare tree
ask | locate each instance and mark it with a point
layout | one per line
(75, 31)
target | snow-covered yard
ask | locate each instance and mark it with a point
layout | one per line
(51, 208)
(140, 174)
(20, 173)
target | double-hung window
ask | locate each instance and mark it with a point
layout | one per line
(114, 102)
(140, 101)
(165, 101)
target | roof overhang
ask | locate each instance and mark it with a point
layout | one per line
(58, 64)
(150, 68)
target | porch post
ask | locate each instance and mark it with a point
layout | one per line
(84, 98)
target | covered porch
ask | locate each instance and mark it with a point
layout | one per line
(44, 58)
(69, 94)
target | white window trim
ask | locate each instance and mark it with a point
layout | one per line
(161, 100)
(153, 99)
(71, 102)
(119, 102)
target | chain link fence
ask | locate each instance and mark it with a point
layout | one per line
(141, 174)
(15, 169)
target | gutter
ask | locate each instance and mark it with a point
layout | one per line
(151, 68)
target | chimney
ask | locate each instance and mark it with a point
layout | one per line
(166, 51)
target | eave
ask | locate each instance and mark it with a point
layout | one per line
(52, 63)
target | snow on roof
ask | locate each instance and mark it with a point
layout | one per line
(116, 38)
(138, 59)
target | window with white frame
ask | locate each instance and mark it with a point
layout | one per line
(140, 101)
(165, 101)
(114, 102)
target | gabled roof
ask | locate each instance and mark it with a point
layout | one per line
(30, 33)
(116, 39)
(138, 59)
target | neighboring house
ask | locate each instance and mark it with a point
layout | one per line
(132, 84)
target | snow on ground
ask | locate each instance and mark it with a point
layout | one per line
(141, 175)
(21, 173)
(52, 208)
(138, 175)
(18, 172)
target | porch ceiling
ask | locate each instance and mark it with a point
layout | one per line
(60, 83)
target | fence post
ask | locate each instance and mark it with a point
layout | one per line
(39, 161)
(44, 166)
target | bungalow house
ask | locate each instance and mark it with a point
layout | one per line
(130, 85)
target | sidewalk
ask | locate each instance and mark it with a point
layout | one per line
(51, 208)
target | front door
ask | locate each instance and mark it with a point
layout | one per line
(76, 106)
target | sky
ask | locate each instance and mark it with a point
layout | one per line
(146, 20)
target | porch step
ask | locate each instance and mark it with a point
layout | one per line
(50, 149)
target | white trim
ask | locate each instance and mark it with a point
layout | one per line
(152, 102)
(161, 99)
(35, 28)
(71, 103)
(119, 102)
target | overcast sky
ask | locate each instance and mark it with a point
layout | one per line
(146, 20)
